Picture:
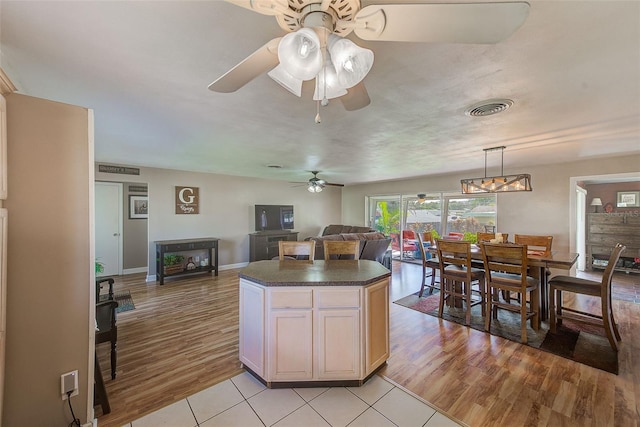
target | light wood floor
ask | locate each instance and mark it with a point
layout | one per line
(182, 337)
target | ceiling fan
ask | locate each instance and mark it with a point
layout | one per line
(316, 185)
(316, 48)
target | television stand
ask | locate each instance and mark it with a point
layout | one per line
(263, 245)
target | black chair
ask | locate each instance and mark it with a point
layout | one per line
(107, 330)
(99, 282)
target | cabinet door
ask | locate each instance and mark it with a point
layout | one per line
(290, 345)
(252, 327)
(338, 344)
(376, 325)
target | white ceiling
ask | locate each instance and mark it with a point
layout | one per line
(572, 70)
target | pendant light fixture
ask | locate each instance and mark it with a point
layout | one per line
(496, 184)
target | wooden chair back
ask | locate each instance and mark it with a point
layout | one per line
(294, 250)
(341, 249)
(607, 276)
(421, 248)
(454, 257)
(534, 243)
(505, 267)
(487, 237)
(454, 252)
(500, 258)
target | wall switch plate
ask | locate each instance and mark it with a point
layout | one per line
(69, 383)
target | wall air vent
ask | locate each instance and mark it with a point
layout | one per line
(489, 107)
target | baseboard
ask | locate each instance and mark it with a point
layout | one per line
(152, 277)
(232, 266)
(134, 270)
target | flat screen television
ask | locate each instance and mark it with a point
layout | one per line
(274, 217)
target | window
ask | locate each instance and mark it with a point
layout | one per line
(467, 214)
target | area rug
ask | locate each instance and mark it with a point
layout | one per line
(125, 302)
(580, 343)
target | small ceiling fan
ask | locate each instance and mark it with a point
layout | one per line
(316, 185)
(316, 48)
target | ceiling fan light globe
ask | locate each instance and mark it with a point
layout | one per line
(352, 62)
(327, 84)
(286, 80)
(300, 55)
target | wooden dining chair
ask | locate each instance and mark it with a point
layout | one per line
(455, 268)
(533, 242)
(487, 237)
(601, 289)
(505, 266)
(536, 244)
(293, 250)
(341, 249)
(430, 264)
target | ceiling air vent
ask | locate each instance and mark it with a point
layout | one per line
(487, 108)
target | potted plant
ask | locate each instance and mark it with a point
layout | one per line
(173, 263)
(99, 267)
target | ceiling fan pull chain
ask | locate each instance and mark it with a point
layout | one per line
(318, 119)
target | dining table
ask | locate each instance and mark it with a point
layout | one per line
(541, 260)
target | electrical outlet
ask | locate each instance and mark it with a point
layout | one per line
(69, 383)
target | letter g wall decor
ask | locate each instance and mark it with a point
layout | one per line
(187, 200)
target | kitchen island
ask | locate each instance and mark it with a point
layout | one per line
(324, 323)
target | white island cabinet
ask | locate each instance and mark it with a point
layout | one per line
(309, 324)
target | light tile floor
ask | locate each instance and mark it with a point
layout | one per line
(245, 402)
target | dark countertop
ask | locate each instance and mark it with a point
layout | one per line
(318, 273)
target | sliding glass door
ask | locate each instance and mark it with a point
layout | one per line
(403, 216)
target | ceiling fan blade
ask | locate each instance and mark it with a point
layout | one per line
(483, 23)
(356, 98)
(265, 7)
(335, 185)
(258, 62)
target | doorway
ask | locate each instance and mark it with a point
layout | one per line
(108, 227)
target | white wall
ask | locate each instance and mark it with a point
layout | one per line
(50, 281)
(548, 209)
(226, 208)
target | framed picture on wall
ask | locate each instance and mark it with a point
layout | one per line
(628, 199)
(138, 207)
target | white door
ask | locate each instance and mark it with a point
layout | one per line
(109, 227)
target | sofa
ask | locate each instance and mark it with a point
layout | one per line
(341, 229)
(373, 245)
